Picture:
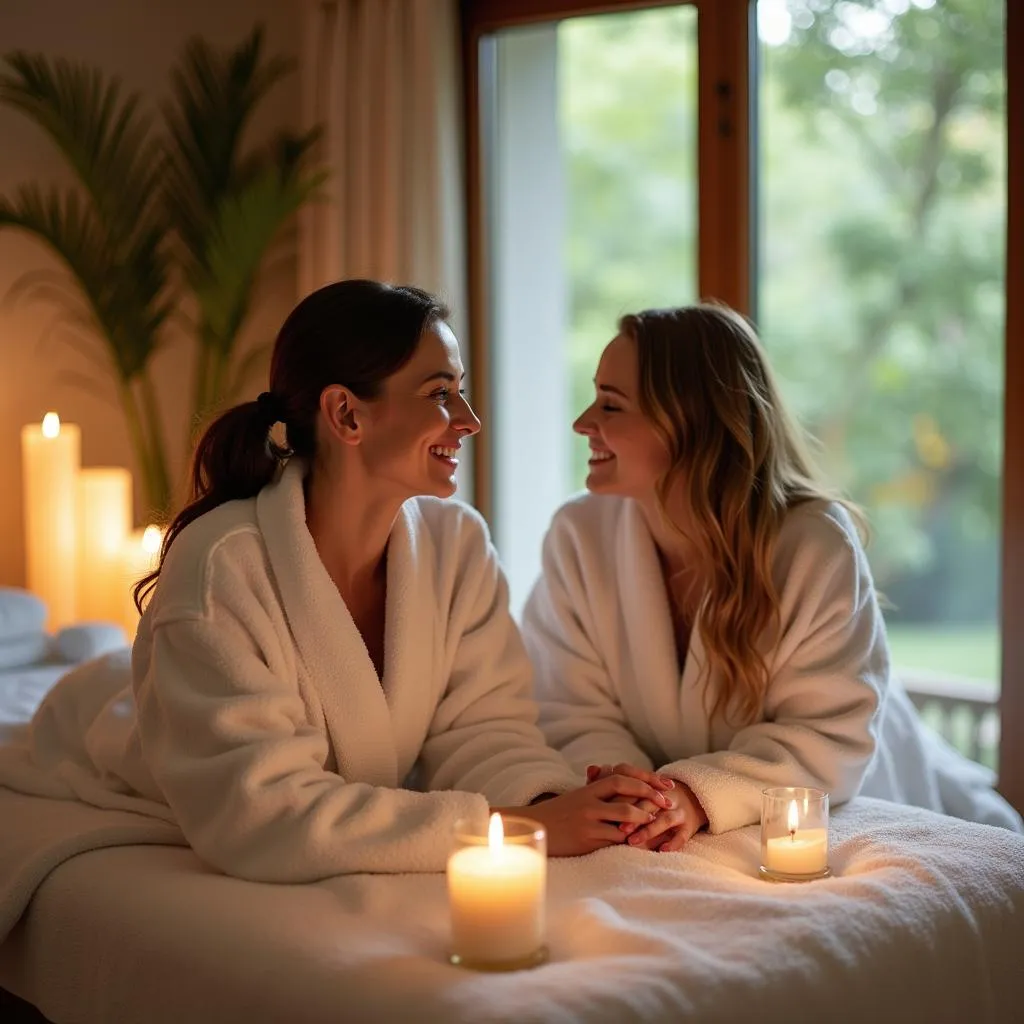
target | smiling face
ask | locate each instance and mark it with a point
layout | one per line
(627, 456)
(412, 432)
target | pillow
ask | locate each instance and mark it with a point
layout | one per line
(88, 640)
(24, 650)
(21, 614)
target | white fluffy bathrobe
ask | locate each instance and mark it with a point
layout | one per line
(598, 627)
(259, 725)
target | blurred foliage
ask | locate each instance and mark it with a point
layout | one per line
(882, 203)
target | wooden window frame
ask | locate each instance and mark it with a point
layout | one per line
(723, 184)
(726, 246)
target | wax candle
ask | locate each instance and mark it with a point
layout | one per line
(104, 522)
(51, 456)
(496, 895)
(794, 834)
(141, 555)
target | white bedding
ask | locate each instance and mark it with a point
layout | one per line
(21, 691)
(924, 921)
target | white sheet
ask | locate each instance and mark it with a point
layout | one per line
(21, 691)
(924, 922)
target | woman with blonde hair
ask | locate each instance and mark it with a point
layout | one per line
(707, 610)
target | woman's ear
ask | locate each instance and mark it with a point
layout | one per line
(342, 412)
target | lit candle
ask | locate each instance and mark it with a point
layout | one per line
(51, 456)
(802, 852)
(496, 895)
(104, 522)
(141, 557)
(794, 834)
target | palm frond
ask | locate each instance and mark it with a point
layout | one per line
(103, 135)
(84, 383)
(215, 95)
(124, 292)
(246, 226)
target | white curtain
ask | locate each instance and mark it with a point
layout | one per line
(382, 77)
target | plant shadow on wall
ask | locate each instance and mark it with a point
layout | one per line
(171, 218)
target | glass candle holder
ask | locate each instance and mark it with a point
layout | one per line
(496, 894)
(794, 834)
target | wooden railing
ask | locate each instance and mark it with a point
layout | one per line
(965, 712)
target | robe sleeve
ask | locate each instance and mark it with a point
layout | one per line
(829, 676)
(580, 712)
(484, 735)
(229, 744)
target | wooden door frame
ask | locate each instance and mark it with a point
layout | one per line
(1011, 697)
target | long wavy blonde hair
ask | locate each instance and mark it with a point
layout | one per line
(740, 462)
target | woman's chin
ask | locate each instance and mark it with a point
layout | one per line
(440, 488)
(600, 481)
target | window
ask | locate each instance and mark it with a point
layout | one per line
(881, 299)
(592, 205)
(862, 199)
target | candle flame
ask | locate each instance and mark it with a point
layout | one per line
(793, 819)
(51, 425)
(495, 833)
(151, 540)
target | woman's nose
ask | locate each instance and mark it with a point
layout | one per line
(584, 424)
(466, 422)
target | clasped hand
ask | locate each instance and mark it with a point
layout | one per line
(619, 804)
(597, 815)
(670, 823)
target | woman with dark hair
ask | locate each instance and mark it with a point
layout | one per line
(323, 633)
(708, 611)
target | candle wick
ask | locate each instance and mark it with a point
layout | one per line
(792, 835)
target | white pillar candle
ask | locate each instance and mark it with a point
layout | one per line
(104, 522)
(496, 896)
(141, 555)
(51, 456)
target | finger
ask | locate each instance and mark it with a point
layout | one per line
(593, 771)
(663, 822)
(609, 835)
(619, 811)
(622, 785)
(648, 809)
(679, 837)
(651, 778)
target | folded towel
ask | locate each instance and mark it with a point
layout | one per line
(20, 651)
(87, 640)
(21, 614)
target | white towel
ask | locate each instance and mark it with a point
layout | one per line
(924, 921)
(21, 614)
(19, 651)
(86, 640)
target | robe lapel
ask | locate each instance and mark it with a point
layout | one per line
(672, 707)
(329, 644)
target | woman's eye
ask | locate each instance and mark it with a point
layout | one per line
(441, 395)
(610, 408)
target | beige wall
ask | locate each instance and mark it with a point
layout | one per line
(137, 41)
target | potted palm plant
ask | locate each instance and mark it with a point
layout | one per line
(227, 205)
(168, 217)
(109, 230)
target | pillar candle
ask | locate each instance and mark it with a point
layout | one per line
(496, 896)
(51, 456)
(141, 555)
(104, 522)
